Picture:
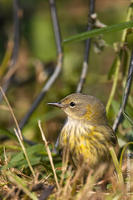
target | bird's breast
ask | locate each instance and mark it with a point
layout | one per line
(83, 142)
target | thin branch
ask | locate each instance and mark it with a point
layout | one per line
(57, 70)
(56, 26)
(16, 44)
(120, 116)
(87, 48)
(43, 92)
(16, 32)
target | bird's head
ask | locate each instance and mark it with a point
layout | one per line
(83, 107)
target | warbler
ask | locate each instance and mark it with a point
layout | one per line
(86, 133)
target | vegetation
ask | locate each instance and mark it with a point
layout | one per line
(31, 71)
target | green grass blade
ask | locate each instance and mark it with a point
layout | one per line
(8, 133)
(18, 159)
(128, 118)
(21, 184)
(95, 32)
(117, 165)
(123, 151)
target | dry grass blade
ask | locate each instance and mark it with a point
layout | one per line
(67, 190)
(12, 113)
(25, 153)
(65, 160)
(85, 192)
(18, 131)
(5, 156)
(49, 154)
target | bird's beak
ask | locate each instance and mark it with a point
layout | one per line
(59, 105)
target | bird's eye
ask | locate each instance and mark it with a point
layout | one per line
(72, 104)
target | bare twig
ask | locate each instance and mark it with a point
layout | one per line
(49, 154)
(87, 48)
(119, 117)
(16, 44)
(57, 69)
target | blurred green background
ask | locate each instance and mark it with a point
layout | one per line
(37, 59)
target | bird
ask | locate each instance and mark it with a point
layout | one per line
(86, 134)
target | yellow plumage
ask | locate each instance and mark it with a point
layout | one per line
(85, 143)
(86, 135)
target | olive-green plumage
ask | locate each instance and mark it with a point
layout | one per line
(86, 133)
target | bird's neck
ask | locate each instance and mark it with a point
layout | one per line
(78, 126)
(77, 122)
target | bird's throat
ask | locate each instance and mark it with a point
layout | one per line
(74, 127)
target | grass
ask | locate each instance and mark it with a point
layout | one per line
(17, 181)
